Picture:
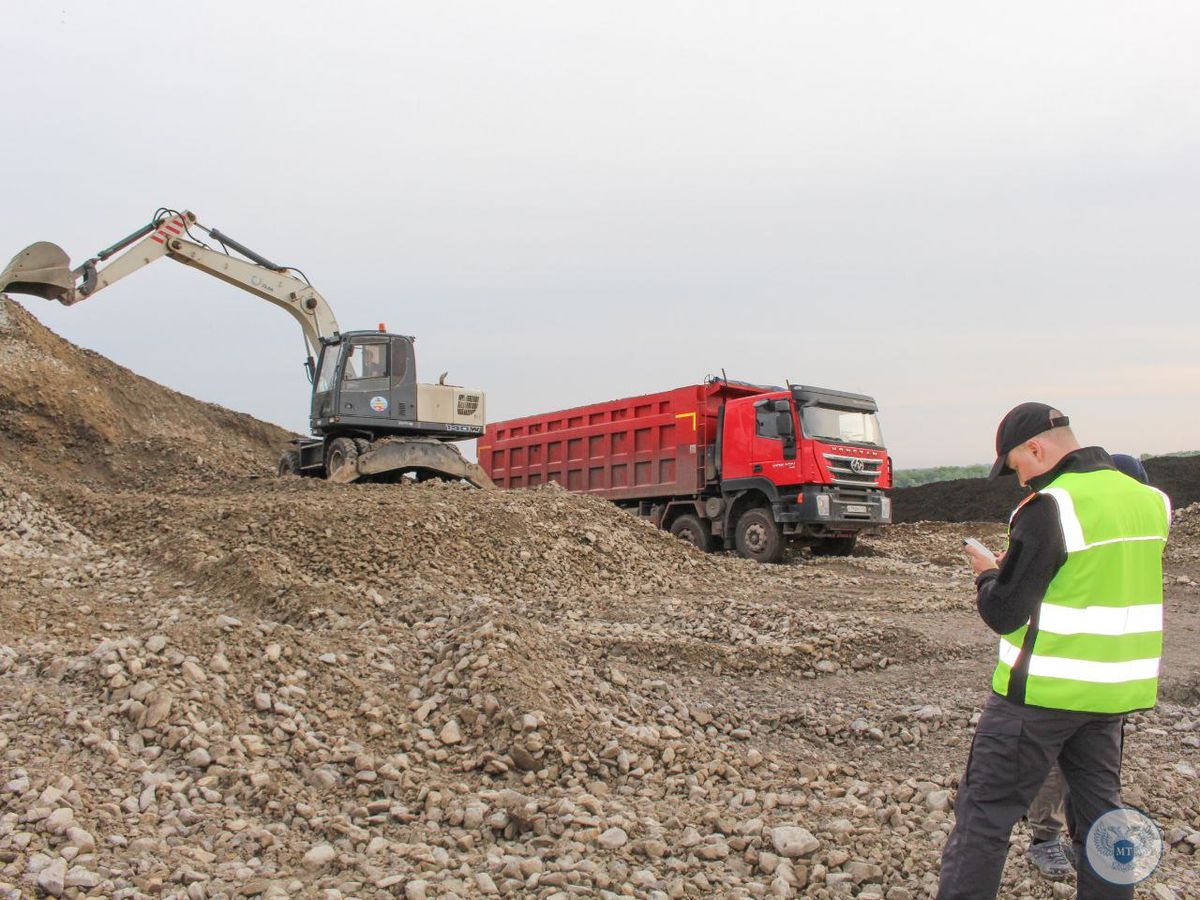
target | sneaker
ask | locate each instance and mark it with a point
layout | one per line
(1051, 860)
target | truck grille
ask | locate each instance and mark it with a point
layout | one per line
(854, 470)
(853, 494)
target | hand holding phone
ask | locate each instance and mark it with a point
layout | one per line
(979, 551)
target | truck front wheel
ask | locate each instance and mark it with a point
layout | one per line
(694, 530)
(758, 537)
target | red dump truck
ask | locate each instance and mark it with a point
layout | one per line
(723, 464)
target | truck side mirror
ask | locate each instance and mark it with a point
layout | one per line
(787, 431)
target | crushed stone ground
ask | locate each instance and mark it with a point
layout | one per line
(222, 684)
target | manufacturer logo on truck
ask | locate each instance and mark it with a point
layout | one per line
(869, 454)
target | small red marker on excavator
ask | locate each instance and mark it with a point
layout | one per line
(382, 327)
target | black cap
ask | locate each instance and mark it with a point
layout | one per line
(1019, 425)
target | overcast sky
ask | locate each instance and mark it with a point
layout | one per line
(953, 207)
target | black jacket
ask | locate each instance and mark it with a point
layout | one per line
(1010, 596)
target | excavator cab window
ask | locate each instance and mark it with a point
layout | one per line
(401, 353)
(327, 368)
(367, 361)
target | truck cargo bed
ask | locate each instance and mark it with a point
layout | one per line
(636, 448)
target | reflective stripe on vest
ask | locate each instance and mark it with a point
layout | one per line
(1097, 635)
(1083, 670)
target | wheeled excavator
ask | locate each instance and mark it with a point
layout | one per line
(370, 418)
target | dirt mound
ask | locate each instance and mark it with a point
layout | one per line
(71, 409)
(960, 500)
(294, 543)
(980, 500)
(1177, 476)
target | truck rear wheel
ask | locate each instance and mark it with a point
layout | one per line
(289, 464)
(758, 537)
(694, 530)
(842, 546)
(341, 452)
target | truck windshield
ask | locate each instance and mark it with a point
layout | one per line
(329, 357)
(841, 425)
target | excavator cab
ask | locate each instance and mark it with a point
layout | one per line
(366, 379)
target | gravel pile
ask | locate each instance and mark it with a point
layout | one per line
(224, 685)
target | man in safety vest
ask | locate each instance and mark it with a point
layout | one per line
(1077, 602)
(1048, 812)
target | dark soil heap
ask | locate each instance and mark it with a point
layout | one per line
(980, 500)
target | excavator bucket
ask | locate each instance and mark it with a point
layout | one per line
(43, 270)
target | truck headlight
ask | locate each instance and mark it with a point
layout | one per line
(885, 509)
(823, 505)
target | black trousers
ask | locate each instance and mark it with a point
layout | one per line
(1013, 750)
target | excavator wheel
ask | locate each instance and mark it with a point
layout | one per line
(341, 452)
(289, 464)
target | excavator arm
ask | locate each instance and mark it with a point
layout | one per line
(43, 270)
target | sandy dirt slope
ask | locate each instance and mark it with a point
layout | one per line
(225, 685)
(67, 412)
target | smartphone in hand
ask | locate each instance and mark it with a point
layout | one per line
(987, 554)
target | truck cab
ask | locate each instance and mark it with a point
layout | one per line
(815, 455)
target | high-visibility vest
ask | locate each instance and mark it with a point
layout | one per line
(1096, 637)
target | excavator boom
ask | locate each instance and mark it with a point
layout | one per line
(44, 270)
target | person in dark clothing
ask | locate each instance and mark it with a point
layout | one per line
(1131, 466)
(1048, 812)
(1077, 603)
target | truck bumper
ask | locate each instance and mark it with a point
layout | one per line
(830, 510)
